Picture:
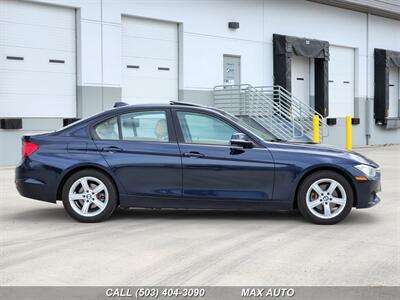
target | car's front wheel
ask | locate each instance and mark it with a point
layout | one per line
(89, 196)
(325, 197)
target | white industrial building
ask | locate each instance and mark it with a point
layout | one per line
(67, 59)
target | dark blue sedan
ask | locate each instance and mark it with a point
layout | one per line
(181, 155)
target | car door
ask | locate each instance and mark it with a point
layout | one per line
(141, 149)
(215, 170)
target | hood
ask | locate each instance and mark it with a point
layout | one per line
(322, 150)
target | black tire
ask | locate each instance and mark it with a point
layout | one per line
(112, 196)
(305, 186)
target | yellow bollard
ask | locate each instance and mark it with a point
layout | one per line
(315, 129)
(349, 142)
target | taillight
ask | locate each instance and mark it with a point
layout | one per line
(28, 148)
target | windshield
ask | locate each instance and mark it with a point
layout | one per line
(250, 125)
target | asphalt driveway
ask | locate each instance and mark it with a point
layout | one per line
(41, 245)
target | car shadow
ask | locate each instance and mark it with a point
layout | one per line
(362, 217)
(58, 214)
(355, 217)
(204, 214)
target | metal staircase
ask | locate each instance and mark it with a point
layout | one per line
(272, 107)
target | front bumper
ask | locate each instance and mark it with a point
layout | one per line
(366, 192)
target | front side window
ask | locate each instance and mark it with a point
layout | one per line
(198, 128)
(145, 126)
(108, 130)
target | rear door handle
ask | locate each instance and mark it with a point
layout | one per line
(112, 149)
(193, 154)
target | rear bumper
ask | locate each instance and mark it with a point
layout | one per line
(367, 192)
(34, 189)
(31, 183)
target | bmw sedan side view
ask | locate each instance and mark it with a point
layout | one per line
(185, 156)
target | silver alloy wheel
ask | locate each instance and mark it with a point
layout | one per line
(326, 198)
(88, 196)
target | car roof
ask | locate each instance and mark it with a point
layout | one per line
(166, 104)
(180, 104)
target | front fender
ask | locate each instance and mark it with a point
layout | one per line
(345, 172)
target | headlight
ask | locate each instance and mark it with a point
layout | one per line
(367, 170)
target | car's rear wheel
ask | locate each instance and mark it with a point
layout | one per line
(89, 196)
(325, 197)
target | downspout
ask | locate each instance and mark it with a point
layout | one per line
(368, 111)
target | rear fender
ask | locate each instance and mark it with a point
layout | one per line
(78, 167)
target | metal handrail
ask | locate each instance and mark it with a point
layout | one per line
(299, 108)
(256, 109)
(273, 107)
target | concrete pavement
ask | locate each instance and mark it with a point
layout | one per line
(41, 245)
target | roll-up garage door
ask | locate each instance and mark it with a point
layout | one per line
(37, 60)
(149, 60)
(301, 78)
(341, 82)
(394, 77)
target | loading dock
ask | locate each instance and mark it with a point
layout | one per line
(302, 77)
(288, 49)
(393, 92)
(149, 60)
(37, 65)
(341, 81)
(386, 101)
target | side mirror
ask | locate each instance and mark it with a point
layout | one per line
(241, 140)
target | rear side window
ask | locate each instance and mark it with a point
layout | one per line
(135, 126)
(145, 126)
(108, 130)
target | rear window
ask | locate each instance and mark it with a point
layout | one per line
(108, 130)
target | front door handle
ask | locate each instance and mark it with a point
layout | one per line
(111, 149)
(193, 154)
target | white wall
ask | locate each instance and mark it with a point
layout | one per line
(205, 37)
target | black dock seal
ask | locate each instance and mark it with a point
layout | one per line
(383, 60)
(284, 49)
